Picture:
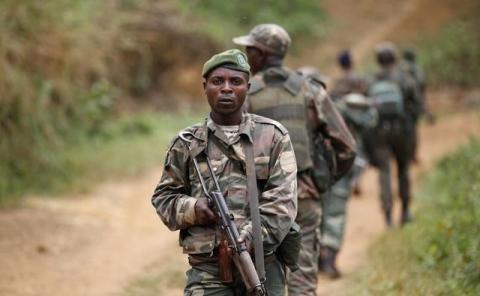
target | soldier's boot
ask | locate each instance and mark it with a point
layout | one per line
(406, 216)
(327, 262)
(388, 218)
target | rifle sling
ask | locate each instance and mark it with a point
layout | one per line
(252, 191)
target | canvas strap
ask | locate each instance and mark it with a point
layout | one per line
(252, 192)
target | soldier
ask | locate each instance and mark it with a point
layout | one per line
(181, 204)
(350, 81)
(305, 109)
(412, 68)
(392, 91)
(348, 94)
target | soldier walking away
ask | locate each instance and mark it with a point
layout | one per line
(206, 189)
(410, 66)
(304, 108)
(392, 90)
(348, 95)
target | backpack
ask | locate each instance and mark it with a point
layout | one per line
(387, 98)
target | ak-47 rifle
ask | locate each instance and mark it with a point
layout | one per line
(240, 254)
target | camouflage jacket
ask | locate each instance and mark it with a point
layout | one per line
(350, 82)
(323, 121)
(179, 187)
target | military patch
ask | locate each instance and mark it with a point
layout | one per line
(241, 61)
(288, 162)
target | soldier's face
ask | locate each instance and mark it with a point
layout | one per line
(226, 90)
(256, 58)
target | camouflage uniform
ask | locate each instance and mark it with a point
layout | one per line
(179, 188)
(305, 109)
(359, 116)
(415, 110)
(392, 137)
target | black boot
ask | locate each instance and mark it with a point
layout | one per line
(326, 262)
(388, 218)
(406, 216)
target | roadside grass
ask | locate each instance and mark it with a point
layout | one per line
(453, 56)
(123, 147)
(438, 254)
(160, 279)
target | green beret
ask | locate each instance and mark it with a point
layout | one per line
(232, 59)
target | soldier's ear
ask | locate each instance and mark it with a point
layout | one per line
(248, 85)
(204, 83)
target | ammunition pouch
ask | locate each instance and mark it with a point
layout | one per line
(289, 250)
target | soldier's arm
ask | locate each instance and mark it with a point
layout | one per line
(170, 198)
(328, 121)
(278, 201)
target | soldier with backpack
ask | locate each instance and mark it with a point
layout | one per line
(319, 135)
(392, 90)
(410, 66)
(348, 94)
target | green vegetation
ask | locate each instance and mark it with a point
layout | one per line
(439, 253)
(122, 148)
(226, 19)
(453, 57)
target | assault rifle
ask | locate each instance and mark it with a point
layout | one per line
(216, 200)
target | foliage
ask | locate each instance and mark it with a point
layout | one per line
(66, 65)
(453, 57)
(123, 147)
(439, 253)
(226, 19)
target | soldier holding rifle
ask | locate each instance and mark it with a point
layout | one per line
(229, 186)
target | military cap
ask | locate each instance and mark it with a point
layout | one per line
(385, 47)
(386, 53)
(232, 59)
(268, 37)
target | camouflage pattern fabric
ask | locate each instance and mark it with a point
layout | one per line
(204, 280)
(359, 118)
(179, 187)
(334, 208)
(322, 117)
(303, 282)
(349, 83)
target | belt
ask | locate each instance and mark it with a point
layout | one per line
(199, 259)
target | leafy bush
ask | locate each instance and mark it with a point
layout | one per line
(453, 57)
(225, 19)
(64, 64)
(439, 253)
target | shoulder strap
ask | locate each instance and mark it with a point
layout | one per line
(294, 83)
(252, 192)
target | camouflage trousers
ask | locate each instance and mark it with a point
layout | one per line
(303, 282)
(204, 280)
(334, 212)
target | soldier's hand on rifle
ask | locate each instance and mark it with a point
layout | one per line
(204, 215)
(248, 243)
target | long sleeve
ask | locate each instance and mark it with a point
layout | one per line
(170, 198)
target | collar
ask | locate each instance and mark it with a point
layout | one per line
(209, 127)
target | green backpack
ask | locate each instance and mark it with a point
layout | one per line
(387, 98)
